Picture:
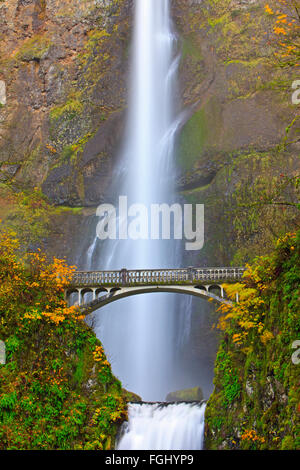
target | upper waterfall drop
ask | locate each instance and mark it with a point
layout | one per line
(140, 335)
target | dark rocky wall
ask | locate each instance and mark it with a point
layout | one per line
(64, 65)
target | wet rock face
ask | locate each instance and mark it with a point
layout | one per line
(222, 80)
(235, 114)
(94, 170)
(62, 82)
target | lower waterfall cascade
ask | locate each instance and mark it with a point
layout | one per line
(175, 426)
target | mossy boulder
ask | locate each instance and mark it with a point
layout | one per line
(188, 394)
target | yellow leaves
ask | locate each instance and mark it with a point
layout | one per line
(287, 237)
(34, 282)
(281, 17)
(244, 315)
(51, 148)
(286, 31)
(238, 338)
(266, 337)
(54, 317)
(99, 354)
(269, 10)
(33, 315)
(247, 324)
(115, 416)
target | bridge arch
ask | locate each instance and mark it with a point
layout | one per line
(121, 293)
(201, 288)
(216, 289)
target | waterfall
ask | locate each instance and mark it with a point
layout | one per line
(142, 335)
(169, 427)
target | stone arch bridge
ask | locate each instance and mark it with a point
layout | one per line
(94, 289)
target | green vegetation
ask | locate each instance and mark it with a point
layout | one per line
(255, 404)
(33, 48)
(69, 109)
(191, 50)
(31, 215)
(57, 390)
(261, 204)
(192, 140)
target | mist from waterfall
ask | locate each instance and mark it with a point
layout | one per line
(142, 335)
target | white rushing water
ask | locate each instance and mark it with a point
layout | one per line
(142, 335)
(164, 427)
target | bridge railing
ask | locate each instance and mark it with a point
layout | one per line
(159, 276)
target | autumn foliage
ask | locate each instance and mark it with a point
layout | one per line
(57, 390)
(248, 315)
(32, 288)
(285, 15)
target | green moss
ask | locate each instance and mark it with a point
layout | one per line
(192, 140)
(198, 140)
(73, 210)
(190, 49)
(222, 20)
(71, 108)
(33, 48)
(230, 380)
(189, 394)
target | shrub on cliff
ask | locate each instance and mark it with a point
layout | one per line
(255, 404)
(57, 390)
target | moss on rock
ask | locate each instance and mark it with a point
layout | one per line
(255, 404)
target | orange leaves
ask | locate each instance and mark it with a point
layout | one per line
(269, 10)
(251, 435)
(98, 354)
(277, 30)
(286, 29)
(33, 315)
(51, 148)
(239, 338)
(58, 315)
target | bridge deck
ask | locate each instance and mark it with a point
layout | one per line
(184, 276)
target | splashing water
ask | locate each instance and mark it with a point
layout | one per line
(177, 426)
